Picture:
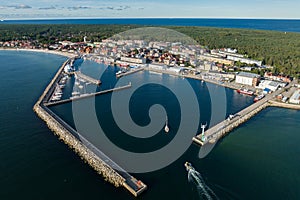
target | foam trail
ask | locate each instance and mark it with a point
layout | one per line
(204, 191)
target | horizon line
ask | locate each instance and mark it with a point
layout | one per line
(78, 18)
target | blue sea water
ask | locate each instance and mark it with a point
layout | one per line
(283, 25)
(259, 160)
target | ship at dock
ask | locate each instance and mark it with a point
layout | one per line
(259, 97)
(245, 91)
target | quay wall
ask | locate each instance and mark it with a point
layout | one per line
(225, 127)
(228, 128)
(284, 105)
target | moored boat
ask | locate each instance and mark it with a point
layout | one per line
(259, 97)
(245, 91)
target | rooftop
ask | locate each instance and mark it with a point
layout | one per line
(249, 75)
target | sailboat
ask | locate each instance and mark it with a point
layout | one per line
(166, 126)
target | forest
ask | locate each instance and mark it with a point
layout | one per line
(278, 49)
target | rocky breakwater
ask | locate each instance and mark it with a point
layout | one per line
(87, 155)
(66, 136)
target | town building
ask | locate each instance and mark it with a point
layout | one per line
(244, 60)
(295, 98)
(277, 77)
(247, 78)
(272, 85)
(134, 60)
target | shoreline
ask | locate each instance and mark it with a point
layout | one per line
(60, 53)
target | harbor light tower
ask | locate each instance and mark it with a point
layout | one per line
(203, 126)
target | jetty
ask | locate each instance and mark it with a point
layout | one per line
(224, 127)
(87, 78)
(101, 163)
(87, 95)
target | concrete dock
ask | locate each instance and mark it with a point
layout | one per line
(101, 163)
(87, 78)
(221, 129)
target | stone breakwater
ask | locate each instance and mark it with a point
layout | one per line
(97, 164)
(66, 136)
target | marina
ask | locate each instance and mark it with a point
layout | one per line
(111, 171)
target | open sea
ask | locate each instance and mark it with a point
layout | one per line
(259, 160)
(283, 25)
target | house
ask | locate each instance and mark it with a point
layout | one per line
(247, 78)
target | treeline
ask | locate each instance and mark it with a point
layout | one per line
(278, 49)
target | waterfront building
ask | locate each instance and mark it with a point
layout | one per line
(157, 67)
(295, 98)
(272, 85)
(247, 78)
(134, 60)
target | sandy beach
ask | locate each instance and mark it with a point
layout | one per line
(66, 54)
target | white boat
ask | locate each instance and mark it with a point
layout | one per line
(77, 83)
(188, 166)
(80, 86)
(166, 126)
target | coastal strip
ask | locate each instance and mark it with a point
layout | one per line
(88, 152)
(196, 77)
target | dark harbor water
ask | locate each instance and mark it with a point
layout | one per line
(284, 25)
(259, 160)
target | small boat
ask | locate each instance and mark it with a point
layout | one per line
(80, 86)
(166, 126)
(188, 166)
(77, 83)
(245, 91)
(259, 97)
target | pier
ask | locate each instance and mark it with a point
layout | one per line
(221, 129)
(83, 96)
(101, 163)
(87, 78)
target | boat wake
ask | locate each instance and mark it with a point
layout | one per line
(204, 191)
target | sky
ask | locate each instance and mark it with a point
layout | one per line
(49, 9)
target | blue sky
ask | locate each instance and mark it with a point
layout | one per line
(37, 9)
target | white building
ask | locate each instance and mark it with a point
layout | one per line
(174, 69)
(295, 98)
(244, 60)
(272, 85)
(246, 78)
(157, 67)
(134, 60)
